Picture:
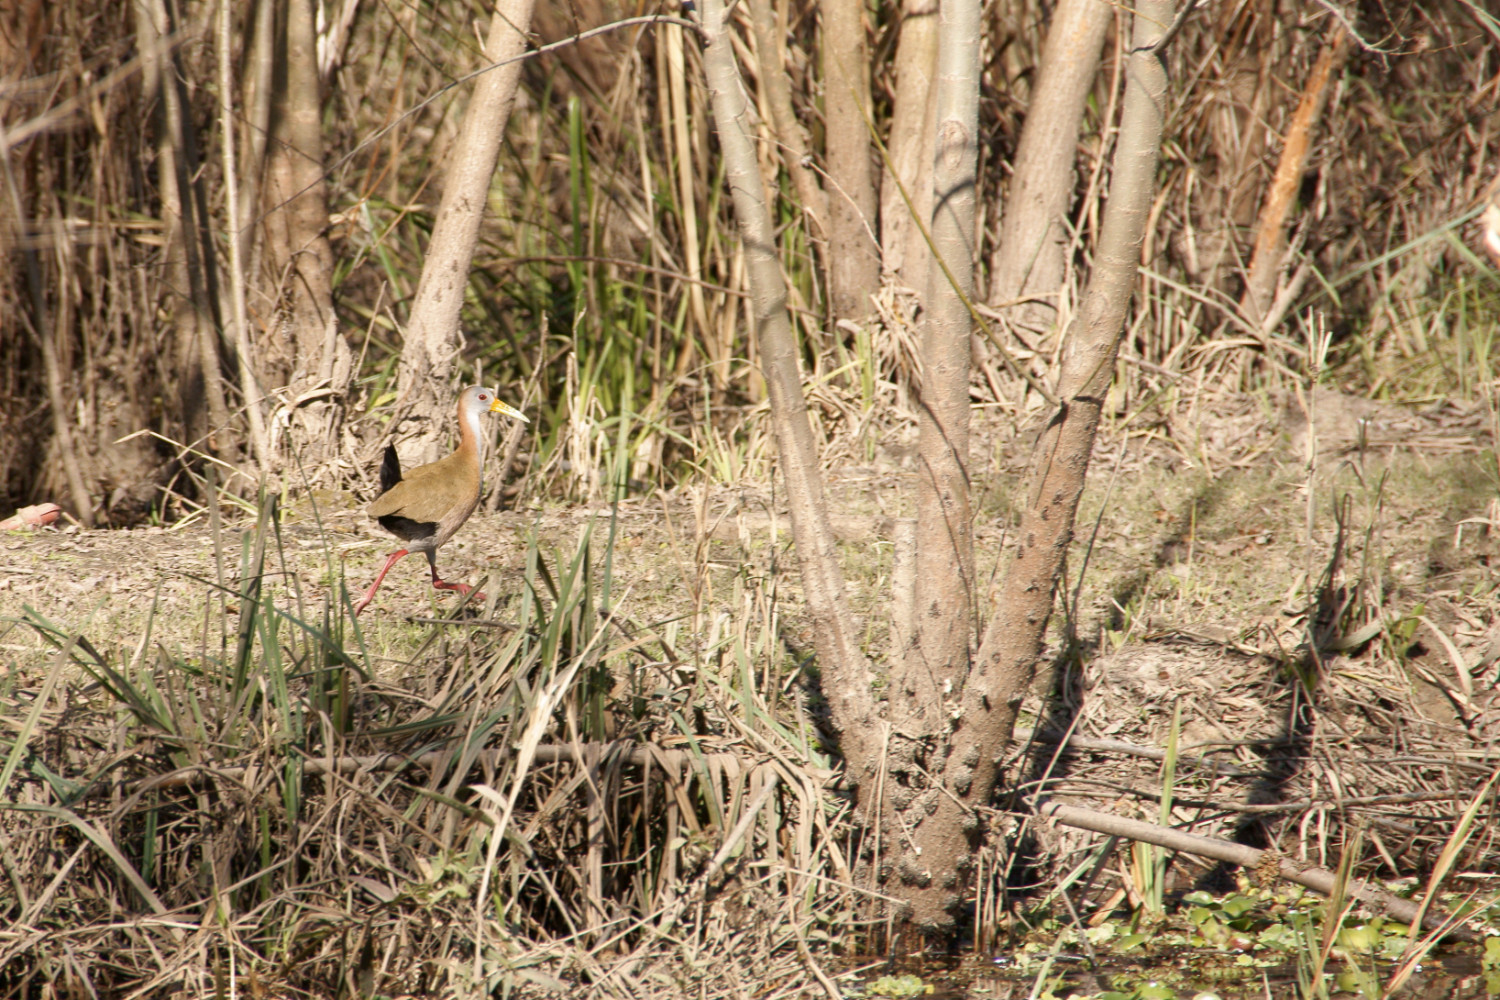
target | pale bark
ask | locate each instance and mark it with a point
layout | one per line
(938, 658)
(981, 712)
(770, 49)
(854, 258)
(258, 74)
(1031, 255)
(910, 148)
(687, 174)
(903, 588)
(844, 670)
(432, 336)
(948, 725)
(1007, 656)
(249, 388)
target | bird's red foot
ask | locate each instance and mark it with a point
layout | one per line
(462, 588)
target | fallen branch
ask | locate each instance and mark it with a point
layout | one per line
(1075, 785)
(1266, 864)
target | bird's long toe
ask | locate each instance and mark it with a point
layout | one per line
(463, 588)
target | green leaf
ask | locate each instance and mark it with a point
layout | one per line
(1153, 991)
(1237, 905)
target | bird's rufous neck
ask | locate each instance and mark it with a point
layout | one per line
(469, 437)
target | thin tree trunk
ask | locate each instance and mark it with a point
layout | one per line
(316, 364)
(792, 143)
(910, 148)
(203, 410)
(249, 388)
(1031, 255)
(939, 656)
(259, 61)
(432, 338)
(1007, 656)
(844, 670)
(202, 258)
(687, 177)
(853, 254)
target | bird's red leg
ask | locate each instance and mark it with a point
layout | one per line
(390, 561)
(462, 588)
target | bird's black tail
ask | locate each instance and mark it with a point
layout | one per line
(390, 469)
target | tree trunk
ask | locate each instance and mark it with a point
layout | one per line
(201, 403)
(937, 659)
(910, 147)
(843, 668)
(854, 257)
(949, 725)
(432, 337)
(686, 168)
(770, 50)
(1031, 255)
(1006, 661)
(960, 750)
(307, 355)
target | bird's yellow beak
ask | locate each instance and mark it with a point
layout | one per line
(500, 406)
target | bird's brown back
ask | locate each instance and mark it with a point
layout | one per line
(432, 492)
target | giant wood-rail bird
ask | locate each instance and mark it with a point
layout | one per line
(426, 506)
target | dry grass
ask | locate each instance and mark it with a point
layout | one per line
(642, 803)
(570, 797)
(615, 776)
